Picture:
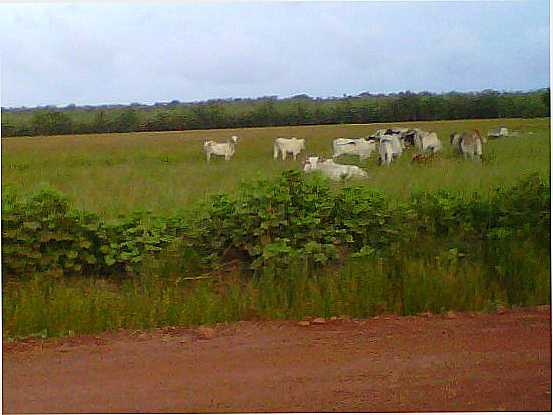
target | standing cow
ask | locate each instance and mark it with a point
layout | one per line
(220, 149)
(468, 144)
(390, 148)
(285, 146)
(428, 141)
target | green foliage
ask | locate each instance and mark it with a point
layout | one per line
(491, 275)
(294, 216)
(268, 223)
(127, 121)
(546, 97)
(51, 122)
(269, 111)
(519, 211)
(522, 210)
(42, 234)
(271, 223)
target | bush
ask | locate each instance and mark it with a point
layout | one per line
(293, 217)
(44, 234)
(520, 211)
(268, 223)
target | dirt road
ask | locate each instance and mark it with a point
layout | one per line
(466, 362)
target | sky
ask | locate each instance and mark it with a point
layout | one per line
(118, 53)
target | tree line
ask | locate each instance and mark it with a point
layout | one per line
(270, 111)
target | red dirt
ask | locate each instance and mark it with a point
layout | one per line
(468, 362)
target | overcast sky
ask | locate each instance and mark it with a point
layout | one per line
(87, 53)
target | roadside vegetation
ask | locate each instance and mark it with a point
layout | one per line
(297, 249)
(270, 242)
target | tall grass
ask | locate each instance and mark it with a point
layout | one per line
(113, 174)
(362, 287)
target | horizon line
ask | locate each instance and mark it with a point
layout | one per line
(275, 97)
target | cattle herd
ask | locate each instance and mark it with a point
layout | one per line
(388, 143)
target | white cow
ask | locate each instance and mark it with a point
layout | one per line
(428, 141)
(498, 132)
(220, 149)
(409, 137)
(386, 152)
(397, 130)
(333, 170)
(467, 144)
(285, 146)
(354, 146)
(390, 147)
(380, 132)
(395, 140)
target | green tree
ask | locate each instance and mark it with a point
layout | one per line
(8, 130)
(127, 121)
(100, 123)
(51, 123)
(546, 98)
(265, 115)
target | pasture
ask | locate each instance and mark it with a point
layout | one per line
(113, 174)
(365, 255)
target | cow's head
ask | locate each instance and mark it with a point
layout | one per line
(310, 163)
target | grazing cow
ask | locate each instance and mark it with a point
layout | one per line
(410, 136)
(467, 144)
(333, 170)
(285, 146)
(455, 140)
(428, 141)
(498, 132)
(220, 149)
(354, 146)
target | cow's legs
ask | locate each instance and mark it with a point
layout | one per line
(275, 152)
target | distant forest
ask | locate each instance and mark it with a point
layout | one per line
(273, 111)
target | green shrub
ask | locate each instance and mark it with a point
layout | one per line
(43, 234)
(292, 217)
(267, 223)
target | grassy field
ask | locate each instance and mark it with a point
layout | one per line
(114, 174)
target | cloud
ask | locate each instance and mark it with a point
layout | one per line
(117, 53)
